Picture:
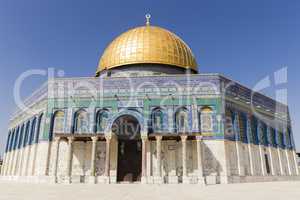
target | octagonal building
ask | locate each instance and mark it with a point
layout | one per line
(149, 116)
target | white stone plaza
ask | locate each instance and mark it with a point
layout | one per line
(246, 191)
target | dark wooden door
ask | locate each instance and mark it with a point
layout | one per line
(129, 161)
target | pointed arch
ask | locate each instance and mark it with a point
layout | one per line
(243, 127)
(157, 120)
(7, 141)
(81, 121)
(102, 117)
(59, 121)
(181, 120)
(16, 130)
(254, 132)
(206, 119)
(32, 130)
(26, 136)
(21, 136)
(39, 128)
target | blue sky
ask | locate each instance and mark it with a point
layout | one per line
(244, 40)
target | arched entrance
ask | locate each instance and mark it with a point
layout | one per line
(127, 130)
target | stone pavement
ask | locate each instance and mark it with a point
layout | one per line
(246, 191)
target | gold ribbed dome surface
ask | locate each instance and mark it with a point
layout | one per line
(147, 44)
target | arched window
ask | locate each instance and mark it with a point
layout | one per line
(254, 132)
(13, 140)
(273, 137)
(243, 127)
(280, 139)
(17, 135)
(59, 118)
(264, 134)
(288, 138)
(32, 130)
(181, 120)
(25, 141)
(39, 128)
(206, 119)
(229, 123)
(101, 120)
(81, 124)
(22, 130)
(157, 120)
(7, 142)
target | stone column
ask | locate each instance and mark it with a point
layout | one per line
(35, 147)
(259, 132)
(270, 150)
(144, 159)
(107, 159)
(288, 161)
(5, 156)
(278, 151)
(262, 166)
(249, 136)
(279, 159)
(93, 158)
(286, 152)
(199, 160)
(237, 141)
(184, 160)
(70, 159)
(295, 162)
(271, 160)
(56, 158)
(158, 175)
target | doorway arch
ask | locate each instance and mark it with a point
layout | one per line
(127, 130)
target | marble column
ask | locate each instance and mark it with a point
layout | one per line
(56, 158)
(286, 146)
(270, 150)
(236, 128)
(249, 136)
(70, 159)
(199, 160)
(279, 151)
(260, 147)
(144, 159)
(271, 160)
(35, 147)
(107, 159)
(262, 166)
(295, 162)
(158, 175)
(93, 156)
(5, 156)
(279, 160)
(184, 159)
(93, 159)
(288, 161)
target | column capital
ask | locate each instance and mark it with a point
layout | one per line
(108, 137)
(144, 137)
(94, 138)
(199, 137)
(57, 138)
(71, 138)
(158, 137)
(183, 137)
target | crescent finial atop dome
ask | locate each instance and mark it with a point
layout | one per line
(148, 16)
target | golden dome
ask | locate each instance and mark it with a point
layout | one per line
(147, 44)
